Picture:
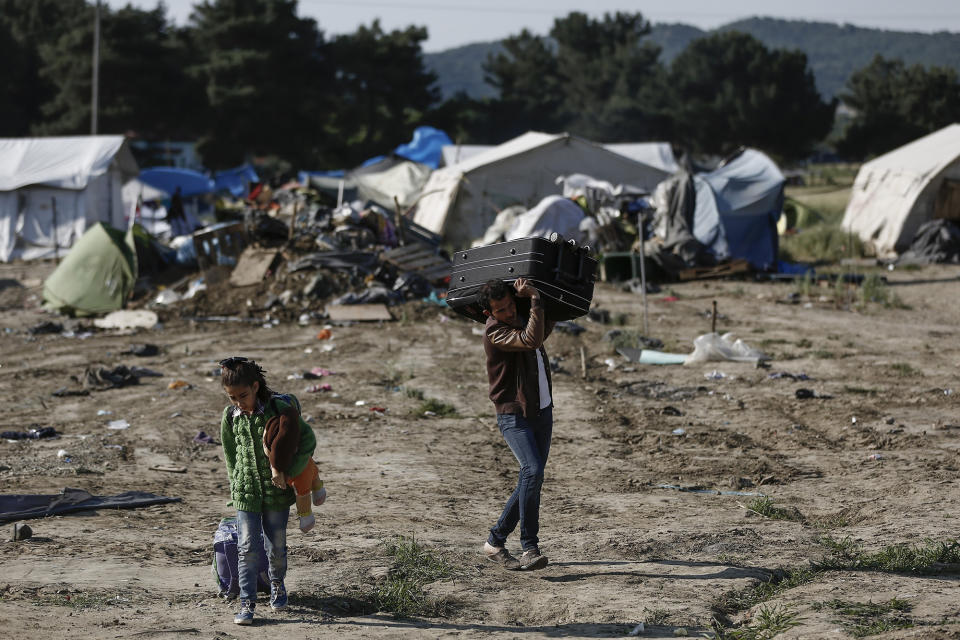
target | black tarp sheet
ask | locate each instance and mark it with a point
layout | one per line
(23, 507)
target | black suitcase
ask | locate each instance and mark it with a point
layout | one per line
(561, 271)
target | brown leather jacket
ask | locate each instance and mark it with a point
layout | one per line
(512, 362)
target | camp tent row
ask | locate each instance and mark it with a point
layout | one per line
(53, 189)
(897, 192)
(461, 200)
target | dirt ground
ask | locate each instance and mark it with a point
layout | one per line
(872, 460)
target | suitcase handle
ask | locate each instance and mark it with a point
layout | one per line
(561, 275)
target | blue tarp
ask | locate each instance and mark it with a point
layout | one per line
(191, 183)
(426, 146)
(748, 199)
(235, 180)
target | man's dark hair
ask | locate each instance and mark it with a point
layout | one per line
(493, 290)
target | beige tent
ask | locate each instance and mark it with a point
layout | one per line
(896, 193)
(460, 201)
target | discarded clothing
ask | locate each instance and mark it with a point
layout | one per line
(64, 392)
(142, 350)
(45, 327)
(32, 434)
(22, 507)
(100, 378)
(792, 376)
(204, 438)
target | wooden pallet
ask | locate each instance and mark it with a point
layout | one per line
(731, 268)
(419, 258)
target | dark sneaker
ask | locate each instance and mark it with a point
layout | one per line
(500, 556)
(278, 595)
(245, 615)
(532, 559)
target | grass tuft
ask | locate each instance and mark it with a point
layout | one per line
(765, 507)
(904, 370)
(781, 580)
(925, 558)
(862, 619)
(414, 566)
(767, 622)
(440, 408)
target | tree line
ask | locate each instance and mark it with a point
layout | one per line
(251, 77)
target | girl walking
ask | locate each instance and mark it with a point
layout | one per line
(261, 499)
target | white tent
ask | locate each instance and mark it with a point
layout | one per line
(461, 201)
(896, 193)
(655, 154)
(53, 189)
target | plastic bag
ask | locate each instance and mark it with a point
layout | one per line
(712, 347)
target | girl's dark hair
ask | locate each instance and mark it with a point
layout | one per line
(241, 371)
(493, 290)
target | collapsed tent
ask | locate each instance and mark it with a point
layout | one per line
(54, 189)
(460, 201)
(732, 210)
(97, 275)
(897, 192)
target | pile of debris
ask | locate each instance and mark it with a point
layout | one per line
(291, 256)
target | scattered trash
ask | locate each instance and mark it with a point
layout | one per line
(649, 356)
(169, 468)
(179, 384)
(611, 364)
(714, 347)
(319, 387)
(430, 414)
(21, 532)
(324, 334)
(379, 409)
(567, 326)
(127, 319)
(670, 411)
(637, 630)
(64, 392)
(45, 327)
(679, 632)
(118, 424)
(317, 372)
(204, 438)
(62, 453)
(853, 420)
(104, 412)
(875, 456)
(791, 376)
(360, 403)
(715, 375)
(679, 431)
(803, 394)
(30, 434)
(142, 350)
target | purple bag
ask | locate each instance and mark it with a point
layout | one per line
(226, 561)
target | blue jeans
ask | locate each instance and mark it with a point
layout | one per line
(271, 528)
(530, 442)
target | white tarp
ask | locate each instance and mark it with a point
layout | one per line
(895, 193)
(53, 189)
(461, 201)
(553, 214)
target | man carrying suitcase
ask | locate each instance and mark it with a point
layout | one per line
(520, 388)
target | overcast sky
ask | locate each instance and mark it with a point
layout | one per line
(451, 23)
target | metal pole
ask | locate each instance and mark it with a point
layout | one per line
(56, 241)
(94, 94)
(643, 281)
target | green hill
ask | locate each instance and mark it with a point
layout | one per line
(833, 51)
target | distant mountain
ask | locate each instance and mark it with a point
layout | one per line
(833, 51)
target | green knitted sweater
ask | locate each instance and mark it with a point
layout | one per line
(248, 468)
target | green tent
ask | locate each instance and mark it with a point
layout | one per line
(97, 275)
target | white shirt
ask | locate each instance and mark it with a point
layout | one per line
(545, 398)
